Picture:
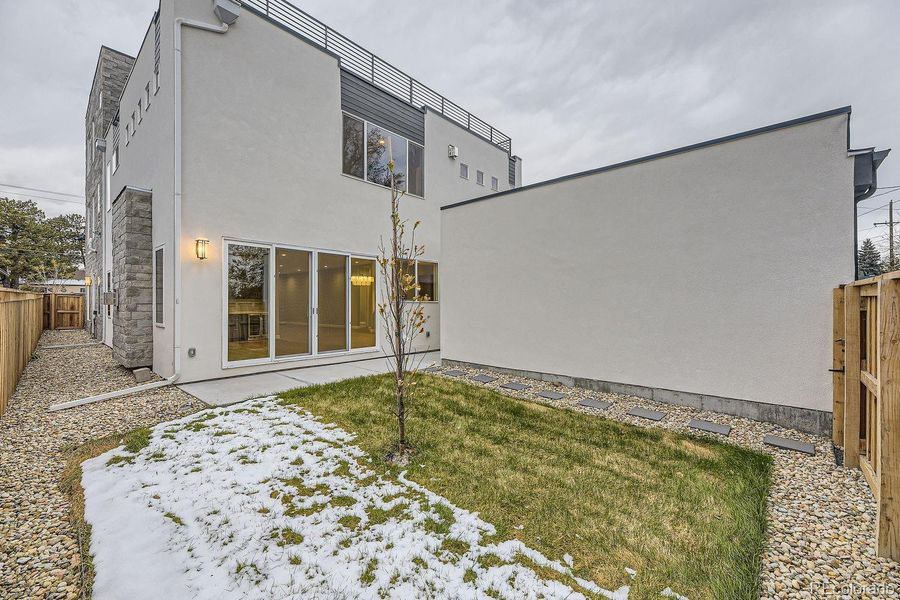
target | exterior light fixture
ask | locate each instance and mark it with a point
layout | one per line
(88, 280)
(202, 247)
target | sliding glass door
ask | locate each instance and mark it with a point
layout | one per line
(331, 283)
(292, 302)
(312, 302)
(248, 302)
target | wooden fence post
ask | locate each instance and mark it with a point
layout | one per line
(888, 526)
(851, 376)
(838, 366)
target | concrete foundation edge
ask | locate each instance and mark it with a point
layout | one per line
(807, 420)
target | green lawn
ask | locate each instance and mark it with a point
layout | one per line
(684, 512)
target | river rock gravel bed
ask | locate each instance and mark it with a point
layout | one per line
(39, 555)
(821, 517)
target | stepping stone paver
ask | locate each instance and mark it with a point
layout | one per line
(790, 444)
(551, 395)
(594, 403)
(710, 427)
(652, 415)
(484, 378)
(432, 369)
(455, 373)
(514, 386)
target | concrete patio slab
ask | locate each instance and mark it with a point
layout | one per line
(219, 392)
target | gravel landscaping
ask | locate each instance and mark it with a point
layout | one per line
(821, 517)
(39, 551)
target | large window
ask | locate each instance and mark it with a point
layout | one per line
(292, 302)
(313, 302)
(425, 277)
(158, 297)
(368, 148)
(248, 302)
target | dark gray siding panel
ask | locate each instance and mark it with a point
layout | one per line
(512, 172)
(381, 108)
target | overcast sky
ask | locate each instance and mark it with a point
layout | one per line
(576, 84)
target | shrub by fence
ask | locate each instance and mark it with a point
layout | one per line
(866, 399)
(21, 323)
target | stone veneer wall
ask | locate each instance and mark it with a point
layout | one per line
(110, 76)
(132, 252)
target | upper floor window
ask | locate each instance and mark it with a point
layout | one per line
(115, 159)
(464, 170)
(147, 96)
(367, 149)
(155, 82)
(140, 110)
(479, 177)
(127, 133)
(495, 184)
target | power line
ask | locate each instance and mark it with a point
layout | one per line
(874, 209)
(22, 187)
(27, 195)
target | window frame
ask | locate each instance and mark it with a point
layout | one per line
(147, 96)
(479, 177)
(364, 177)
(156, 262)
(463, 166)
(313, 302)
(495, 183)
(140, 110)
(128, 133)
(437, 283)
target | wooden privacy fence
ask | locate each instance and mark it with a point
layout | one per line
(866, 367)
(63, 311)
(20, 329)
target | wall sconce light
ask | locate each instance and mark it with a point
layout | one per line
(88, 280)
(202, 246)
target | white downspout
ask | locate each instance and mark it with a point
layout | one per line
(176, 321)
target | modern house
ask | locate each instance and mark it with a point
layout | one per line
(237, 190)
(236, 172)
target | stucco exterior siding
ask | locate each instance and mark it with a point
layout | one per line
(707, 272)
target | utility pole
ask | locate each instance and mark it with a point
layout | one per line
(892, 265)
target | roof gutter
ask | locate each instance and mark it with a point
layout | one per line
(176, 333)
(865, 183)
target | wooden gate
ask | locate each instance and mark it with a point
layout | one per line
(866, 364)
(63, 311)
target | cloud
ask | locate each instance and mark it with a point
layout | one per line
(576, 84)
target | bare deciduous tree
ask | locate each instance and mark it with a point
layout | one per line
(401, 307)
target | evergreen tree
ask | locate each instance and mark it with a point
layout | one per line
(869, 260)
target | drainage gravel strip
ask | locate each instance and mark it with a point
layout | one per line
(821, 517)
(39, 555)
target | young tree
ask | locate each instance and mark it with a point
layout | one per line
(869, 260)
(401, 307)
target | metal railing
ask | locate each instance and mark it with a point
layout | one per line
(359, 61)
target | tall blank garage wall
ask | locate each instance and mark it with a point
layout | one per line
(701, 278)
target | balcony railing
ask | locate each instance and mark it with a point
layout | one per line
(380, 73)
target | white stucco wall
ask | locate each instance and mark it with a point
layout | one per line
(707, 272)
(262, 162)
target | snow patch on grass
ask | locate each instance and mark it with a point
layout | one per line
(267, 501)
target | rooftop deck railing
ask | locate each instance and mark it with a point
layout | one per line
(359, 61)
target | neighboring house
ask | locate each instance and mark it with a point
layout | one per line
(58, 286)
(110, 75)
(239, 200)
(699, 276)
